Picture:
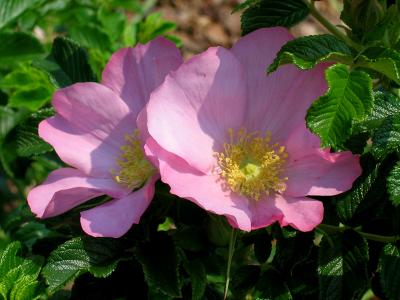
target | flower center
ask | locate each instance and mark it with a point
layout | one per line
(251, 165)
(134, 168)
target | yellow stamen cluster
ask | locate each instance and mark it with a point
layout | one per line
(134, 168)
(251, 166)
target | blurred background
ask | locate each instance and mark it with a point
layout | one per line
(204, 23)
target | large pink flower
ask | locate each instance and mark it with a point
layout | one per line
(95, 132)
(233, 140)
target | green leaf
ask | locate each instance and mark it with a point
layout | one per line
(98, 256)
(386, 106)
(66, 64)
(272, 286)
(390, 271)
(32, 98)
(342, 266)
(18, 46)
(308, 51)
(28, 141)
(270, 13)
(382, 60)
(24, 289)
(8, 120)
(9, 259)
(368, 188)
(386, 138)
(198, 278)
(160, 262)
(18, 275)
(28, 88)
(11, 9)
(393, 184)
(349, 98)
(154, 25)
(91, 37)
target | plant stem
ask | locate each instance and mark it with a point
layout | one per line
(368, 236)
(232, 242)
(331, 28)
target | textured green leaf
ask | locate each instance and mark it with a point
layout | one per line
(272, 286)
(9, 259)
(349, 98)
(11, 9)
(270, 13)
(306, 52)
(18, 276)
(24, 289)
(342, 266)
(79, 255)
(383, 60)
(28, 141)
(370, 186)
(390, 271)
(393, 184)
(386, 106)
(198, 278)
(17, 46)
(386, 138)
(66, 64)
(158, 258)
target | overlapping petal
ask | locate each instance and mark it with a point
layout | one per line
(188, 113)
(94, 124)
(66, 188)
(115, 218)
(133, 73)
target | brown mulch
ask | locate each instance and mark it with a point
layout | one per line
(205, 23)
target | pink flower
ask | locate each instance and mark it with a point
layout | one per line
(95, 132)
(233, 140)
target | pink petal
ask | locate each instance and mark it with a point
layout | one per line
(133, 73)
(89, 128)
(66, 188)
(203, 190)
(301, 142)
(190, 114)
(278, 102)
(322, 173)
(301, 213)
(115, 218)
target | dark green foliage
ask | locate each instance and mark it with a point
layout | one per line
(67, 63)
(98, 256)
(349, 98)
(390, 271)
(270, 13)
(159, 258)
(342, 266)
(306, 52)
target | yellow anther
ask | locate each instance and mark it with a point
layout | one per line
(251, 166)
(133, 167)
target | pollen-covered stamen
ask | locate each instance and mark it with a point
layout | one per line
(134, 169)
(251, 166)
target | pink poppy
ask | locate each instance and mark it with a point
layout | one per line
(233, 140)
(95, 132)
